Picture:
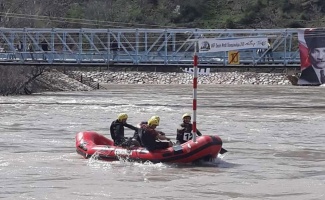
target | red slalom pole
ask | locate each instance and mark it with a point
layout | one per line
(195, 63)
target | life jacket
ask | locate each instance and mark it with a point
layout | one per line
(184, 133)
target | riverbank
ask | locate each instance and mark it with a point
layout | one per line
(54, 80)
(77, 80)
(235, 78)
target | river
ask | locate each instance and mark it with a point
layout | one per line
(274, 137)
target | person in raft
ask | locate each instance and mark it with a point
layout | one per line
(149, 136)
(117, 129)
(142, 125)
(184, 132)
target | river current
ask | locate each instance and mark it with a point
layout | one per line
(274, 136)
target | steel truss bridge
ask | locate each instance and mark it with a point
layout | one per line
(139, 47)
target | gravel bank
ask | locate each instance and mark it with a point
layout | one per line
(182, 78)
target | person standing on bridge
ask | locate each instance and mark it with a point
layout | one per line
(114, 48)
(45, 48)
(269, 51)
(31, 50)
(20, 46)
(314, 73)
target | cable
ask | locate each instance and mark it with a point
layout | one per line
(87, 21)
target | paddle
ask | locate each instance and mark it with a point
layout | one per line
(222, 151)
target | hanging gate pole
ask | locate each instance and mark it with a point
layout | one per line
(195, 63)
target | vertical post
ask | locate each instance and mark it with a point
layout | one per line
(174, 46)
(52, 45)
(80, 46)
(166, 48)
(24, 45)
(91, 46)
(64, 37)
(146, 44)
(285, 49)
(119, 46)
(137, 46)
(108, 50)
(195, 62)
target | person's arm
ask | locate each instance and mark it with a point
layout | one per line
(181, 129)
(141, 124)
(180, 133)
(198, 132)
(179, 137)
(162, 137)
(130, 126)
(161, 133)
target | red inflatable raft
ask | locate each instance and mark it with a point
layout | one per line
(90, 143)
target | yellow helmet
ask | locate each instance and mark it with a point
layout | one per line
(122, 116)
(186, 115)
(156, 117)
(153, 122)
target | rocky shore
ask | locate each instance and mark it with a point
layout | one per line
(57, 81)
(235, 78)
(54, 80)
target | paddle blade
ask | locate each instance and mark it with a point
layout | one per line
(222, 151)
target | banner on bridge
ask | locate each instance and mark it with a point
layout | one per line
(230, 44)
(312, 56)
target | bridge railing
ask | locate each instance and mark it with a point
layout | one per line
(181, 58)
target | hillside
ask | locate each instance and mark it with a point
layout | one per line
(162, 13)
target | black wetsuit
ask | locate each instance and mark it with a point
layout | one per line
(148, 138)
(117, 131)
